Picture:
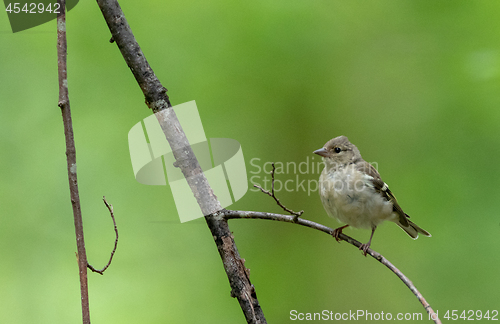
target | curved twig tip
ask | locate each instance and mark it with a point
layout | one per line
(110, 208)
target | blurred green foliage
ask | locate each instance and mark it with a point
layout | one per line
(414, 84)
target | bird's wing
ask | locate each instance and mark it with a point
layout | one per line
(382, 188)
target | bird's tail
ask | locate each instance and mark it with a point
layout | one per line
(413, 229)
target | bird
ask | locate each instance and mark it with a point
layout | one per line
(353, 192)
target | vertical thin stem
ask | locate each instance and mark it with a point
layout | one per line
(71, 156)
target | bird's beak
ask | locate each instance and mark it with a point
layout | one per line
(322, 151)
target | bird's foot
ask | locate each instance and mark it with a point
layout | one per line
(337, 232)
(364, 247)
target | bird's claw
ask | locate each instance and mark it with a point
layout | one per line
(364, 247)
(337, 232)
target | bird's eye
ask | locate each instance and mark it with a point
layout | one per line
(337, 150)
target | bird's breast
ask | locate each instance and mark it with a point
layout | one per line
(349, 196)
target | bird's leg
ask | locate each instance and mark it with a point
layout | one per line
(337, 232)
(366, 246)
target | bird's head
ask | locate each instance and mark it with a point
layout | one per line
(339, 152)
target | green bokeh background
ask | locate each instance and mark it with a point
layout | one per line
(414, 84)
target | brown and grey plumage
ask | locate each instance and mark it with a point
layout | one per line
(352, 191)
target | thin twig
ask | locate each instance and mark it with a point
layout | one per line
(71, 157)
(296, 214)
(236, 214)
(110, 208)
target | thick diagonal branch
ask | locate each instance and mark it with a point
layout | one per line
(158, 101)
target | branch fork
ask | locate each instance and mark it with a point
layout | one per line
(295, 214)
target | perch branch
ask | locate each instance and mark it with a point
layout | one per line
(71, 156)
(231, 214)
(110, 208)
(235, 214)
(157, 99)
(296, 214)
